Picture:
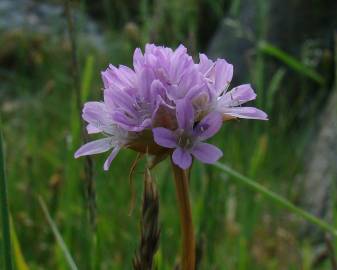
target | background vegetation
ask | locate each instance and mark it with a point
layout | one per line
(236, 228)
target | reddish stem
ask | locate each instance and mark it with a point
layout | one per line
(188, 241)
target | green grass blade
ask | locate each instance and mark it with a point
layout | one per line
(5, 209)
(274, 86)
(87, 78)
(278, 199)
(18, 257)
(58, 236)
(290, 61)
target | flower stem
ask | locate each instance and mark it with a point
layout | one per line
(188, 241)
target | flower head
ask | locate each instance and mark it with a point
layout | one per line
(166, 103)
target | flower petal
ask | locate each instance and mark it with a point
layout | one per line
(95, 112)
(208, 126)
(196, 91)
(138, 60)
(129, 123)
(164, 137)
(118, 78)
(106, 78)
(146, 78)
(237, 96)
(205, 64)
(223, 75)
(111, 157)
(128, 75)
(92, 129)
(246, 112)
(182, 158)
(95, 147)
(185, 114)
(158, 93)
(120, 99)
(206, 153)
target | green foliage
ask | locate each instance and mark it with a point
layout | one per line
(290, 61)
(57, 235)
(281, 201)
(20, 262)
(7, 244)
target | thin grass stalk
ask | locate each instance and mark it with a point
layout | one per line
(331, 252)
(291, 62)
(18, 258)
(88, 167)
(278, 199)
(187, 230)
(5, 209)
(58, 237)
(149, 226)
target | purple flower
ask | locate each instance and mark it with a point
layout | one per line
(165, 102)
(230, 103)
(218, 75)
(187, 139)
(99, 121)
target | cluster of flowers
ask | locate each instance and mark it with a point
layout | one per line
(166, 104)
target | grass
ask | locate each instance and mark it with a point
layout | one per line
(5, 221)
(58, 237)
(236, 228)
(291, 62)
(279, 200)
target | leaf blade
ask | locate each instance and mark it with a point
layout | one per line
(57, 235)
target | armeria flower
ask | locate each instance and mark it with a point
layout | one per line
(165, 102)
(99, 121)
(218, 76)
(188, 139)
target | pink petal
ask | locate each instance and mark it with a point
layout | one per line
(91, 129)
(182, 158)
(205, 64)
(223, 75)
(157, 89)
(106, 78)
(94, 112)
(129, 123)
(145, 80)
(185, 114)
(120, 99)
(111, 157)
(246, 112)
(207, 153)
(138, 60)
(164, 137)
(208, 126)
(94, 147)
(128, 75)
(237, 96)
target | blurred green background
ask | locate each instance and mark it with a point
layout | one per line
(285, 49)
